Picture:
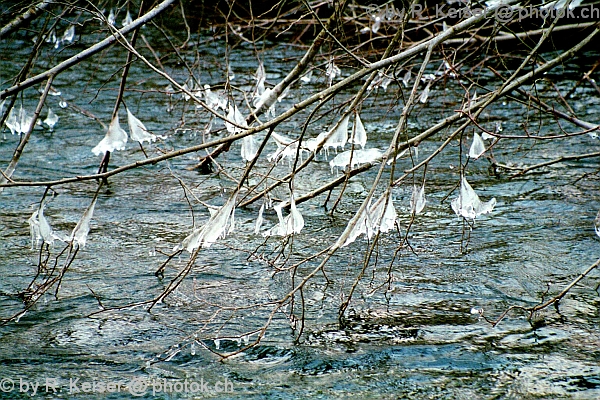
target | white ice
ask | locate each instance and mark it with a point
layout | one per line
(468, 204)
(477, 147)
(417, 200)
(115, 138)
(137, 130)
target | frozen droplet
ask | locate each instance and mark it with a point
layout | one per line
(486, 136)
(477, 311)
(63, 104)
(306, 77)
(193, 349)
(477, 147)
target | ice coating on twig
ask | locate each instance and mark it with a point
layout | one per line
(477, 147)
(468, 204)
(137, 130)
(115, 138)
(220, 223)
(417, 200)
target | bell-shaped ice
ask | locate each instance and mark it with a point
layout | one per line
(220, 223)
(115, 138)
(137, 130)
(51, 119)
(477, 147)
(81, 230)
(359, 135)
(377, 217)
(417, 200)
(291, 224)
(236, 116)
(468, 204)
(249, 148)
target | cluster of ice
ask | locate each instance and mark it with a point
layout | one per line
(116, 137)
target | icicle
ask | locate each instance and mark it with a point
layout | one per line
(45, 229)
(51, 119)
(597, 224)
(382, 219)
(417, 200)
(11, 122)
(24, 120)
(359, 135)
(137, 130)
(81, 230)
(468, 204)
(379, 217)
(261, 77)
(115, 138)
(214, 100)
(477, 148)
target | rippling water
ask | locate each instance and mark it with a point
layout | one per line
(413, 336)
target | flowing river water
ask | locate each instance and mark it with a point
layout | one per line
(415, 336)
